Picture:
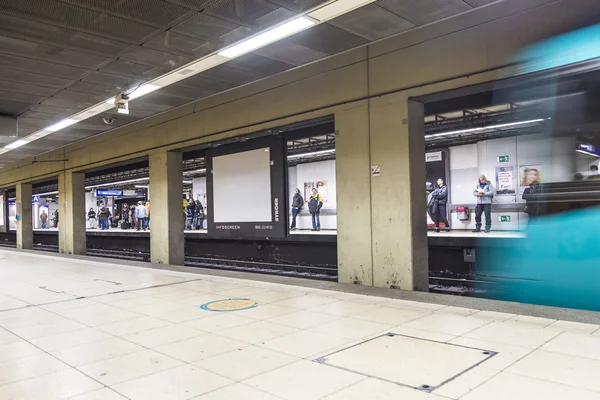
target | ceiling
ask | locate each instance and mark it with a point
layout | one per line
(59, 57)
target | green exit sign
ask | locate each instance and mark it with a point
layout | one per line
(502, 159)
(504, 218)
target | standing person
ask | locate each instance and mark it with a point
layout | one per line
(532, 206)
(314, 206)
(189, 214)
(44, 219)
(200, 215)
(485, 196)
(148, 214)
(297, 203)
(140, 213)
(56, 219)
(92, 218)
(440, 197)
(125, 214)
(103, 214)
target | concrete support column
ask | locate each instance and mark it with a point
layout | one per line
(24, 226)
(399, 232)
(71, 213)
(355, 258)
(167, 242)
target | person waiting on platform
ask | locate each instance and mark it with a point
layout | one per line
(189, 214)
(533, 207)
(297, 203)
(485, 196)
(314, 207)
(140, 213)
(55, 219)
(147, 214)
(104, 215)
(200, 216)
(44, 219)
(440, 197)
(91, 219)
(125, 217)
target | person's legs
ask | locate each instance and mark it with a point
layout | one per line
(488, 216)
(294, 215)
(318, 217)
(314, 221)
(145, 223)
(443, 216)
(478, 211)
(140, 222)
(43, 225)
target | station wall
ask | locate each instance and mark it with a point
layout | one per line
(554, 157)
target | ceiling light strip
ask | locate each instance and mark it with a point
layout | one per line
(305, 21)
(484, 128)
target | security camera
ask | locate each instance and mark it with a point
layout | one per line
(108, 120)
(122, 103)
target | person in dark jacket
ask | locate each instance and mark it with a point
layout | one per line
(125, 213)
(104, 215)
(92, 218)
(440, 197)
(297, 203)
(485, 197)
(314, 206)
(533, 206)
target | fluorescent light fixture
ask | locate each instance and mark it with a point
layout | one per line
(61, 125)
(270, 36)
(587, 153)
(111, 101)
(142, 91)
(16, 144)
(44, 194)
(337, 8)
(311, 154)
(141, 186)
(199, 171)
(484, 128)
(117, 183)
(187, 182)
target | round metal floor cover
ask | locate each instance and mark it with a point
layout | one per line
(229, 305)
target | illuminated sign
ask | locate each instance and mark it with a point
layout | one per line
(587, 148)
(109, 193)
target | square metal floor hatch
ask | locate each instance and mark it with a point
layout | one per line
(408, 361)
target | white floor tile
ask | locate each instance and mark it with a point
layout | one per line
(199, 348)
(131, 366)
(304, 319)
(343, 308)
(102, 394)
(272, 296)
(391, 315)
(37, 331)
(467, 382)
(307, 301)
(237, 391)
(6, 337)
(494, 315)
(158, 308)
(181, 315)
(507, 354)
(29, 367)
(447, 323)
(165, 335)
(70, 339)
(560, 368)
(96, 351)
(134, 325)
(514, 334)
(15, 350)
(243, 292)
(240, 364)
(574, 327)
(525, 319)
(575, 344)
(58, 385)
(506, 386)
(179, 383)
(265, 311)
(220, 321)
(304, 380)
(375, 389)
(417, 333)
(305, 343)
(257, 332)
(352, 328)
(465, 312)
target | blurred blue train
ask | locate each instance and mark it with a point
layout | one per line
(558, 263)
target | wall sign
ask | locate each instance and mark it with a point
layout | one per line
(505, 180)
(435, 156)
(502, 159)
(504, 218)
(375, 170)
(109, 193)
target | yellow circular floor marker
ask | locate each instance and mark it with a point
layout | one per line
(229, 305)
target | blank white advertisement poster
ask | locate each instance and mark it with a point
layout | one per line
(242, 187)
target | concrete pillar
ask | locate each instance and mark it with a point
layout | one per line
(167, 223)
(71, 213)
(25, 225)
(355, 258)
(399, 232)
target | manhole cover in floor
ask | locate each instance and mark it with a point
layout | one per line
(417, 363)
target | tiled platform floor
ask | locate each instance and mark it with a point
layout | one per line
(85, 330)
